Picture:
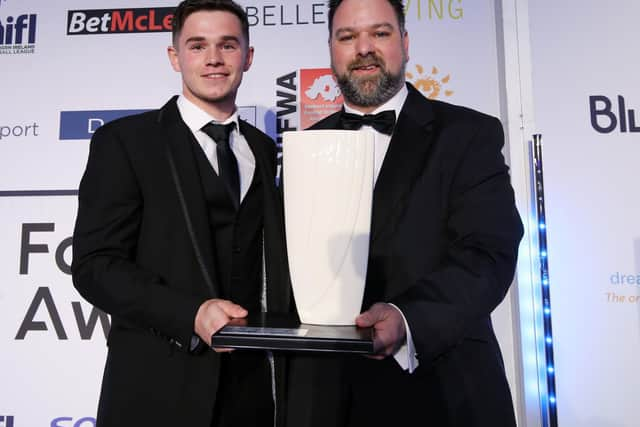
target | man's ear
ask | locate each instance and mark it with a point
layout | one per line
(405, 45)
(248, 59)
(172, 53)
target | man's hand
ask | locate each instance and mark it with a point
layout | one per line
(212, 315)
(389, 328)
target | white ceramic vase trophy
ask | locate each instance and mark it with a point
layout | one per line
(328, 190)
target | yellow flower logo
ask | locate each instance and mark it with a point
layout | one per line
(430, 85)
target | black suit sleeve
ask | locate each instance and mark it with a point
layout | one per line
(482, 232)
(108, 223)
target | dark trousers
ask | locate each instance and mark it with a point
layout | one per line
(244, 393)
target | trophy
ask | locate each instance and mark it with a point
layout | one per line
(328, 189)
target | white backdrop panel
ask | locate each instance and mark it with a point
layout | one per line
(582, 49)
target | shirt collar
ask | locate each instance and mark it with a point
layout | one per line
(395, 103)
(195, 118)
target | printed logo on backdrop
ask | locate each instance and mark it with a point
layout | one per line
(320, 95)
(38, 246)
(6, 420)
(71, 422)
(18, 34)
(20, 130)
(624, 286)
(317, 95)
(301, 105)
(119, 21)
(431, 85)
(158, 19)
(81, 125)
(287, 14)
(612, 115)
(434, 10)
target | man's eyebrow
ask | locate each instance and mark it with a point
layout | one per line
(230, 38)
(201, 38)
(194, 39)
(385, 25)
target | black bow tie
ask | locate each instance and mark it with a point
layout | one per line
(383, 122)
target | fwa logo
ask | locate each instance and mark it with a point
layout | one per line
(431, 85)
(18, 34)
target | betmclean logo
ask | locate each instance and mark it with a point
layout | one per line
(83, 124)
(18, 34)
(119, 21)
(607, 117)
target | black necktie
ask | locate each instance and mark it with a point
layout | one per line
(383, 122)
(227, 164)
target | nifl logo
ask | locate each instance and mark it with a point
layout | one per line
(119, 21)
(18, 34)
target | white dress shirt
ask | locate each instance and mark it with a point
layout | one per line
(196, 118)
(406, 355)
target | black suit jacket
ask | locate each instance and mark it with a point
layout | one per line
(143, 253)
(443, 248)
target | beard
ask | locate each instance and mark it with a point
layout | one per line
(369, 91)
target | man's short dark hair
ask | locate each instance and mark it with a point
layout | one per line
(187, 7)
(397, 6)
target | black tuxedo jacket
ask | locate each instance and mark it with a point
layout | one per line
(143, 253)
(443, 248)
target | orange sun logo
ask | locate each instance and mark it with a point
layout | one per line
(430, 86)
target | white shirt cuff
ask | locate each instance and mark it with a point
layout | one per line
(406, 354)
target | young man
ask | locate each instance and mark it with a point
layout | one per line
(444, 240)
(175, 214)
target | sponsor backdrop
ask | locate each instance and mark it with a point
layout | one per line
(70, 66)
(587, 107)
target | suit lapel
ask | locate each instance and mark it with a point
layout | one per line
(177, 136)
(404, 159)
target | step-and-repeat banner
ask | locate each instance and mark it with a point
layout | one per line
(70, 66)
(587, 107)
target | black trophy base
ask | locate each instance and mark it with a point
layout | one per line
(281, 332)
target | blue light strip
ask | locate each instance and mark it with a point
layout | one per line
(550, 414)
